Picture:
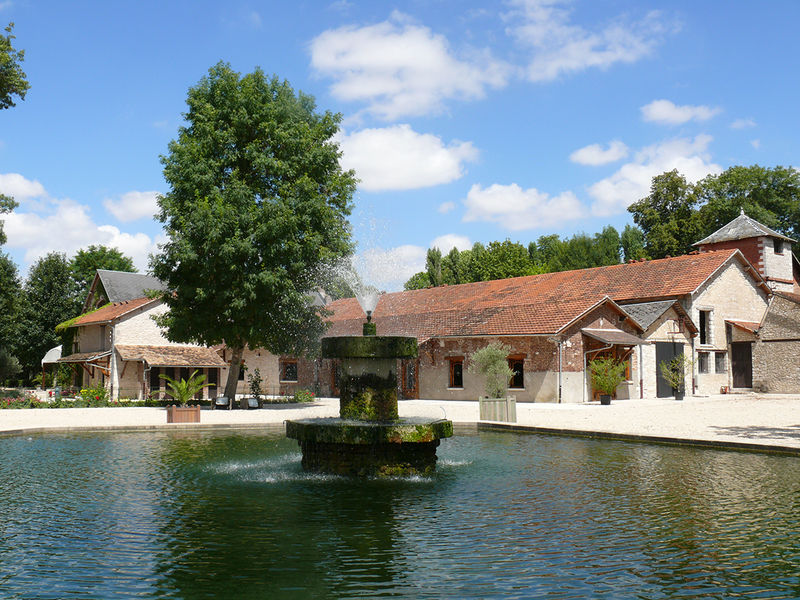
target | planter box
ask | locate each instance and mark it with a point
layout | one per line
(499, 409)
(183, 414)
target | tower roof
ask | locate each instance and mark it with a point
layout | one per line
(741, 228)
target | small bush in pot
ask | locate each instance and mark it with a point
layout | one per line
(184, 389)
(607, 373)
(674, 373)
(492, 362)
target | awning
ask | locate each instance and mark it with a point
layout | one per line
(52, 356)
(614, 336)
(748, 326)
(172, 356)
(84, 357)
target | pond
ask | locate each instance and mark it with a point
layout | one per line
(232, 515)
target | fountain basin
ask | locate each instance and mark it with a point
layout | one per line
(354, 447)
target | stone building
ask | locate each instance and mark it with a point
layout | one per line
(732, 306)
(643, 312)
(776, 350)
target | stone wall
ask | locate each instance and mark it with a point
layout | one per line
(776, 353)
(731, 295)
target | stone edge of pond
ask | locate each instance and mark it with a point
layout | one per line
(648, 439)
(275, 427)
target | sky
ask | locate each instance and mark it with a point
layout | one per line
(464, 121)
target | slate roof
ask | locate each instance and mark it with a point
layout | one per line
(646, 313)
(112, 311)
(534, 305)
(741, 228)
(120, 286)
(172, 356)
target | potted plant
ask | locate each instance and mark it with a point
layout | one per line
(492, 362)
(674, 373)
(607, 373)
(182, 391)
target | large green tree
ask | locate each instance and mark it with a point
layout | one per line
(677, 213)
(88, 260)
(768, 195)
(668, 216)
(48, 299)
(7, 204)
(10, 297)
(257, 208)
(13, 80)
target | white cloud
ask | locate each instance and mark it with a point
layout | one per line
(20, 188)
(399, 158)
(669, 113)
(743, 124)
(446, 207)
(517, 209)
(133, 205)
(67, 227)
(632, 181)
(756, 144)
(447, 242)
(400, 69)
(44, 224)
(594, 154)
(388, 269)
(561, 47)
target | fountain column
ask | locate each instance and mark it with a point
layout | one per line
(369, 438)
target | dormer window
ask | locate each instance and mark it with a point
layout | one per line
(777, 245)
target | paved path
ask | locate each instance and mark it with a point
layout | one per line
(765, 421)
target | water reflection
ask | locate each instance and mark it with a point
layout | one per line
(188, 515)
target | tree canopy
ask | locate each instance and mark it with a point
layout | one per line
(677, 213)
(550, 253)
(88, 260)
(48, 299)
(257, 209)
(13, 80)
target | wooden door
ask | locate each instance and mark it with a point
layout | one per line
(742, 364)
(665, 351)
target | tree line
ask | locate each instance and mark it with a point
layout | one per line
(54, 291)
(672, 217)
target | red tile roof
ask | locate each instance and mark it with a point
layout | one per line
(112, 311)
(534, 305)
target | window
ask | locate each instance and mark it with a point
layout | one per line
(517, 364)
(720, 366)
(705, 326)
(777, 246)
(242, 369)
(702, 362)
(456, 372)
(288, 370)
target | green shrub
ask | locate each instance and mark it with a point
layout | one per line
(95, 396)
(607, 373)
(303, 396)
(492, 362)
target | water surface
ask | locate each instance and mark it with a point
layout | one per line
(232, 515)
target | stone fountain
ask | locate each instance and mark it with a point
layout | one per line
(369, 438)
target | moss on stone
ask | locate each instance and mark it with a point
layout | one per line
(382, 346)
(368, 397)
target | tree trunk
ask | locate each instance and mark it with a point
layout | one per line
(233, 374)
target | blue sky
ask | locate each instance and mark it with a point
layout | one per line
(466, 121)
